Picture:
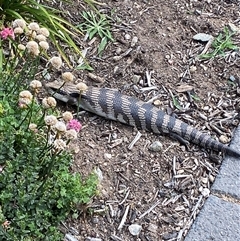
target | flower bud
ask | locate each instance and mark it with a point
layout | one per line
(67, 77)
(50, 120)
(49, 102)
(67, 116)
(56, 62)
(81, 86)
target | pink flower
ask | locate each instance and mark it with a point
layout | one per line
(7, 32)
(75, 125)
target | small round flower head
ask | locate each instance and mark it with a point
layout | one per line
(50, 120)
(18, 30)
(33, 127)
(56, 62)
(19, 23)
(49, 102)
(81, 87)
(60, 127)
(71, 134)
(21, 47)
(75, 125)
(44, 45)
(67, 116)
(33, 48)
(43, 31)
(40, 37)
(31, 34)
(25, 94)
(35, 85)
(7, 32)
(59, 144)
(23, 103)
(67, 77)
(33, 26)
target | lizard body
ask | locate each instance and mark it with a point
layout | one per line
(113, 105)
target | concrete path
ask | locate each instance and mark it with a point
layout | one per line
(219, 219)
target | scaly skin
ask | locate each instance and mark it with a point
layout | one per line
(111, 104)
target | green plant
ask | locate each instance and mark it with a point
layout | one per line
(32, 10)
(97, 24)
(221, 44)
(37, 190)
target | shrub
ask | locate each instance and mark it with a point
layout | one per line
(37, 191)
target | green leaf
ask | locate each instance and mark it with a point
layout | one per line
(84, 67)
(176, 103)
(102, 45)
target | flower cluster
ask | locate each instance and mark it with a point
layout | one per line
(74, 125)
(7, 33)
(36, 36)
(64, 130)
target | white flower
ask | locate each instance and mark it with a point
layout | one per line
(19, 23)
(44, 45)
(21, 47)
(67, 116)
(60, 127)
(43, 31)
(25, 94)
(56, 62)
(49, 102)
(18, 30)
(33, 48)
(50, 120)
(33, 127)
(40, 37)
(59, 144)
(23, 103)
(35, 84)
(67, 77)
(31, 34)
(81, 86)
(71, 134)
(33, 26)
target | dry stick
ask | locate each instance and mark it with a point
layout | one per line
(137, 137)
(209, 43)
(116, 238)
(149, 76)
(174, 166)
(148, 88)
(179, 237)
(126, 196)
(124, 218)
(150, 209)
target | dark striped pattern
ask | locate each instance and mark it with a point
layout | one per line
(113, 105)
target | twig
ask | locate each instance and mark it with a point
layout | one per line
(208, 45)
(116, 238)
(148, 88)
(124, 218)
(150, 209)
(137, 137)
(148, 76)
(179, 237)
(126, 196)
(174, 166)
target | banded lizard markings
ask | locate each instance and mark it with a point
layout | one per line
(119, 114)
(126, 109)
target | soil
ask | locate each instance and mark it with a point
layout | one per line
(161, 192)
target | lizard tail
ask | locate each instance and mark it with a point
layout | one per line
(206, 141)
